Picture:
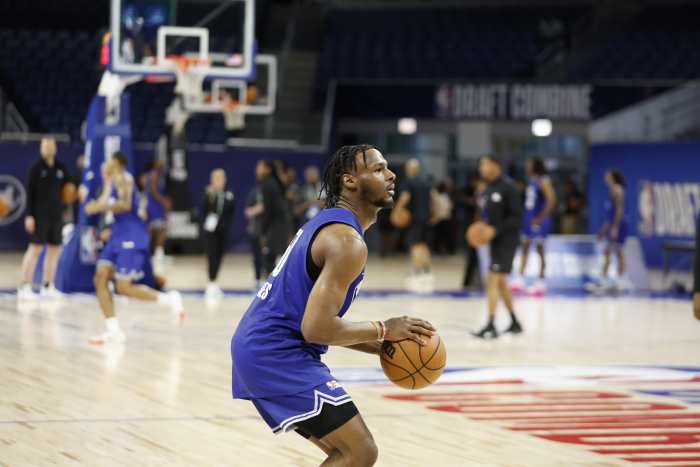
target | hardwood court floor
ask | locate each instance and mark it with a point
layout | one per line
(164, 397)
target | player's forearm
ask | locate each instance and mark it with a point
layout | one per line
(341, 333)
(373, 348)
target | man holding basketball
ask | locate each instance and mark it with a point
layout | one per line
(297, 314)
(502, 211)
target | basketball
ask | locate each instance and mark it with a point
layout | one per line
(400, 217)
(412, 366)
(5, 207)
(69, 193)
(477, 234)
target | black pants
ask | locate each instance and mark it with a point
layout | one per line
(256, 247)
(472, 276)
(215, 244)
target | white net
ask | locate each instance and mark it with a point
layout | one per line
(234, 117)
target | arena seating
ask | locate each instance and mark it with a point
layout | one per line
(51, 75)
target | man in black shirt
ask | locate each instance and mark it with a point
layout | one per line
(44, 220)
(696, 271)
(417, 196)
(217, 217)
(502, 211)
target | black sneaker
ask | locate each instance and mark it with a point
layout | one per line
(488, 332)
(514, 328)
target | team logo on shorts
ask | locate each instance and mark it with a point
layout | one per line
(13, 197)
(333, 384)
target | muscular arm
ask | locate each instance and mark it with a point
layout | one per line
(342, 254)
(374, 348)
(125, 188)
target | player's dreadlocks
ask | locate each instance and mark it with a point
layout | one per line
(342, 162)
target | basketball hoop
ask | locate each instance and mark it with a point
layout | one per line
(189, 76)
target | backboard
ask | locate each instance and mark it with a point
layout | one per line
(257, 96)
(145, 34)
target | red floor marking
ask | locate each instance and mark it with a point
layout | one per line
(597, 438)
(663, 459)
(526, 419)
(639, 406)
(648, 451)
(606, 426)
(456, 396)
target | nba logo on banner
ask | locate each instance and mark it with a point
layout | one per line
(88, 245)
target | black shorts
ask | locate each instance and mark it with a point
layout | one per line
(418, 232)
(502, 253)
(330, 419)
(47, 231)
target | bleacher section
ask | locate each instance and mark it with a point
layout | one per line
(51, 75)
(660, 43)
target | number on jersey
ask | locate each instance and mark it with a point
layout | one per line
(267, 286)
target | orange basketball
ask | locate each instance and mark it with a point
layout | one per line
(251, 95)
(477, 234)
(69, 194)
(400, 217)
(412, 366)
(5, 207)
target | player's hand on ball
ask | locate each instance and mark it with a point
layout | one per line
(29, 224)
(398, 329)
(489, 232)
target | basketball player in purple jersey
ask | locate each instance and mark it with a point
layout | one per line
(157, 207)
(540, 201)
(125, 255)
(297, 314)
(615, 228)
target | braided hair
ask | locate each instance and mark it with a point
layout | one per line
(341, 162)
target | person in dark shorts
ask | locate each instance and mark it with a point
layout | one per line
(501, 209)
(44, 220)
(417, 196)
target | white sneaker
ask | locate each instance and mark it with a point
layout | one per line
(538, 289)
(107, 338)
(51, 292)
(25, 292)
(213, 291)
(175, 303)
(518, 285)
(425, 284)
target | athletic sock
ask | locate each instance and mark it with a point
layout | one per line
(163, 298)
(159, 253)
(112, 325)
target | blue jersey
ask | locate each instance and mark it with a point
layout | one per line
(128, 226)
(535, 200)
(609, 206)
(155, 210)
(270, 356)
